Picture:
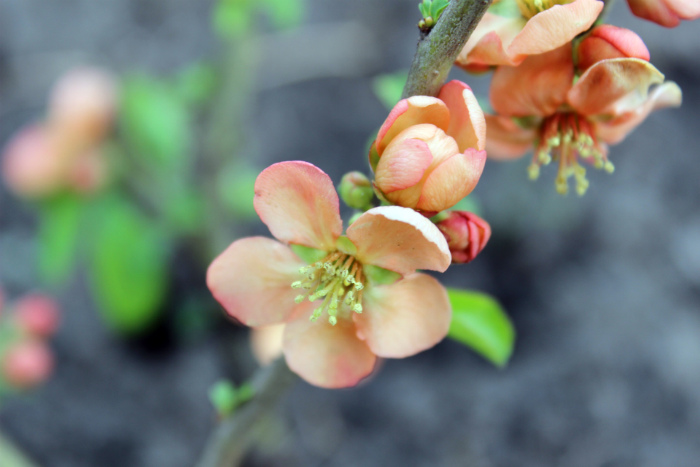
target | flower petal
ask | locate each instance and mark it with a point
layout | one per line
(487, 45)
(399, 239)
(327, 356)
(299, 204)
(409, 112)
(451, 181)
(252, 280)
(605, 42)
(403, 164)
(404, 318)
(667, 13)
(614, 86)
(613, 131)
(505, 139)
(467, 124)
(537, 87)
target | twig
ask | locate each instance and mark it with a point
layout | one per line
(438, 50)
(229, 443)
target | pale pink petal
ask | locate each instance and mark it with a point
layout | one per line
(403, 164)
(252, 279)
(537, 87)
(613, 131)
(409, 112)
(487, 45)
(404, 318)
(299, 204)
(451, 181)
(553, 28)
(614, 86)
(327, 356)
(399, 239)
(507, 140)
(467, 124)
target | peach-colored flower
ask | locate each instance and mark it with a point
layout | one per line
(571, 112)
(515, 29)
(350, 278)
(37, 315)
(668, 13)
(429, 153)
(27, 363)
(466, 235)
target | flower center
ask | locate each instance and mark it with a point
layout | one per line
(530, 8)
(338, 280)
(566, 137)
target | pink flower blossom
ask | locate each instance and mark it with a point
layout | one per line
(37, 315)
(27, 363)
(350, 281)
(466, 234)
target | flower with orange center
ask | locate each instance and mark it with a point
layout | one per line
(429, 153)
(344, 299)
(514, 29)
(571, 111)
(668, 13)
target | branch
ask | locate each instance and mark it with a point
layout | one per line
(438, 50)
(229, 442)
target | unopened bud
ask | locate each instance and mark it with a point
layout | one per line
(27, 364)
(356, 191)
(466, 235)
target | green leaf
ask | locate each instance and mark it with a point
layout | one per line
(196, 83)
(59, 227)
(223, 397)
(156, 122)
(479, 322)
(232, 18)
(236, 188)
(285, 13)
(389, 87)
(129, 267)
(507, 8)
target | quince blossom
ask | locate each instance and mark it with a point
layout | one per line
(351, 279)
(572, 111)
(466, 234)
(515, 29)
(668, 13)
(429, 153)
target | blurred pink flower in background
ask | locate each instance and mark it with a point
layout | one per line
(27, 363)
(37, 315)
(668, 13)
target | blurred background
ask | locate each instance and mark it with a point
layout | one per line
(603, 291)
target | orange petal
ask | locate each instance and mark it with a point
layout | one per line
(451, 181)
(507, 140)
(487, 45)
(402, 165)
(399, 239)
(537, 87)
(404, 318)
(299, 204)
(668, 13)
(614, 86)
(608, 41)
(467, 124)
(409, 112)
(553, 28)
(613, 131)
(327, 356)
(252, 280)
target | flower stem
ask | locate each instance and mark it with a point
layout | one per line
(438, 50)
(230, 441)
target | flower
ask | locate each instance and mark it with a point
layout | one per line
(668, 13)
(572, 111)
(429, 153)
(350, 281)
(37, 315)
(27, 363)
(466, 234)
(514, 29)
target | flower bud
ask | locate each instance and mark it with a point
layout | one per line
(466, 235)
(27, 364)
(356, 191)
(37, 315)
(606, 42)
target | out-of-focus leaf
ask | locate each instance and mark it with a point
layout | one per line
(285, 13)
(196, 83)
(156, 122)
(508, 8)
(232, 18)
(184, 209)
(388, 87)
(225, 397)
(479, 322)
(468, 203)
(128, 267)
(58, 238)
(236, 188)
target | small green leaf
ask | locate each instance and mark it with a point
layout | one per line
(379, 275)
(58, 237)
(196, 83)
(479, 322)
(389, 87)
(507, 8)
(285, 13)
(223, 397)
(232, 18)
(236, 188)
(307, 254)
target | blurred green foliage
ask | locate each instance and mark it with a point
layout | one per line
(389, 87)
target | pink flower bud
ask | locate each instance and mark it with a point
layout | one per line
(27, 364)
(606, 42)
(37, 314)
(466, 235)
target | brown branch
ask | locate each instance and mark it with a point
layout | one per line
(438, 50)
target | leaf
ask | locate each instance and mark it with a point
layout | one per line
(285, 13)
(478, 321)
(156, 122)
(389, 87)
(129, 267)
(58, 237)
(507, 8)
(196, 83)
(236, 189)
(232, 18)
